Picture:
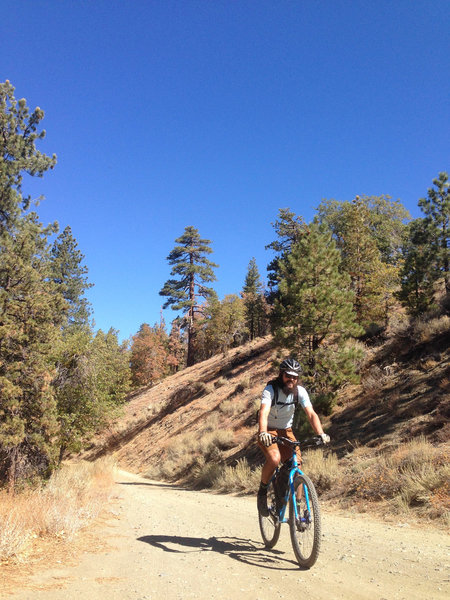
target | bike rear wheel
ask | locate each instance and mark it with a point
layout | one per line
(305, 530)
(270, 526)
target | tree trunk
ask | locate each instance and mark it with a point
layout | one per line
(62, 450)
(12, 470)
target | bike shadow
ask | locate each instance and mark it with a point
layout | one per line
(245, 551)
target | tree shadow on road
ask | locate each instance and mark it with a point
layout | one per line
(245, 551)
(156, 484)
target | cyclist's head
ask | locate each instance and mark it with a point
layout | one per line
(290, 367)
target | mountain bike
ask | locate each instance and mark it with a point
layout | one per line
(304, 512)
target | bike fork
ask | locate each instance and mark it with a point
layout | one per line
(304, 491)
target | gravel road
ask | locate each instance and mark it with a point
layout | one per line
(164, 542)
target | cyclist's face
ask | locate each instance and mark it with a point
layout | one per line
(289, 381)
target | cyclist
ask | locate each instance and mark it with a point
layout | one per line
(279, 399)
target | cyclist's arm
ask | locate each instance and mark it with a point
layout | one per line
(314, 420)
(263, 417)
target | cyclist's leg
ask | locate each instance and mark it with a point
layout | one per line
(272, 460)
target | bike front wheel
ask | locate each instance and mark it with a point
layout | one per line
(270, 526)
(305, 529)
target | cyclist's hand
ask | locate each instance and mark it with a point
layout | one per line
(325, 438)
(265, 438)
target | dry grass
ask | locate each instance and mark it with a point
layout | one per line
(73, 496)
(220, 382)
(427, 330)
(232, 407)
(322, 468)
(187, 455)
(373, 380)
(240, 478)
(243, 385)
(414, 477)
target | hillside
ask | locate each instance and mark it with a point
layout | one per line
(404, 394)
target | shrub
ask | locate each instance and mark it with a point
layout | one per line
(231, 407)
(414, 476)
(240, 478)
(322, 468)
(220, 382)
(206, 475)
(187, 454)
(243, 385)
(426, 330)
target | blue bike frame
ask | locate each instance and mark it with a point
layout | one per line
(282, 518)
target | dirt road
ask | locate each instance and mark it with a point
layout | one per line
(167, 543)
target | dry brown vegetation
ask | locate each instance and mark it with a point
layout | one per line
(71, 499)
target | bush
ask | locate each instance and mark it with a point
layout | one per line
(187, 454)
(426, 330)
(322, 468)
(414, 476)
(232, 407)
(240, 478)
(243, 385)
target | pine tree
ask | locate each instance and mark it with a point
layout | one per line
(314, 316)
(289, 228)
(436, 207)
(361, 259)
(426, 251)
(176, 347)
(31, 314)
(368, 231)
(149, 354)
(70, 275)
(417, 279)
(384, 218)
(193, 270)
(18, 153)
(224, 324)
(255, 303)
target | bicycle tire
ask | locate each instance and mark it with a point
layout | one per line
(270, 526)
(305, 534)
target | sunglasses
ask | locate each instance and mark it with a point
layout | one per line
(293, 377)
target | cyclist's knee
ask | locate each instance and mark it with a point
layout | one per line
(273, 460)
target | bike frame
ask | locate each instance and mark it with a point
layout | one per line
(282, 518)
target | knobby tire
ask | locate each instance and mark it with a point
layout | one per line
(305, 537)
(270, 526)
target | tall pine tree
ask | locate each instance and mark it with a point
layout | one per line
(192, 270)
(313, 316)
(70, 275)
(31, 315)
(255, 303)
(436, 207)
(426, 251)
(289, 229)
(31, 309)
(18, 153)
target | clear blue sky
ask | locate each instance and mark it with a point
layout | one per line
(216, 114)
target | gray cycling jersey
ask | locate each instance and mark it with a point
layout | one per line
(282, 414)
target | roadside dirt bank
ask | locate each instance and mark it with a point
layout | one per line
(160, 540)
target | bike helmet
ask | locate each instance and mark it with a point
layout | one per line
(291, 367)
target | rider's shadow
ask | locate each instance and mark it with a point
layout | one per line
(241, 550)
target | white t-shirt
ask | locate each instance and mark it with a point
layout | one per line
(282, 413)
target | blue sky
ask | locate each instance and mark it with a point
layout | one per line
(216, 114)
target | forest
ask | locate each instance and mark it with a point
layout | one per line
(333, 283)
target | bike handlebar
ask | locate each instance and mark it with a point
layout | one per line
(312, 442)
